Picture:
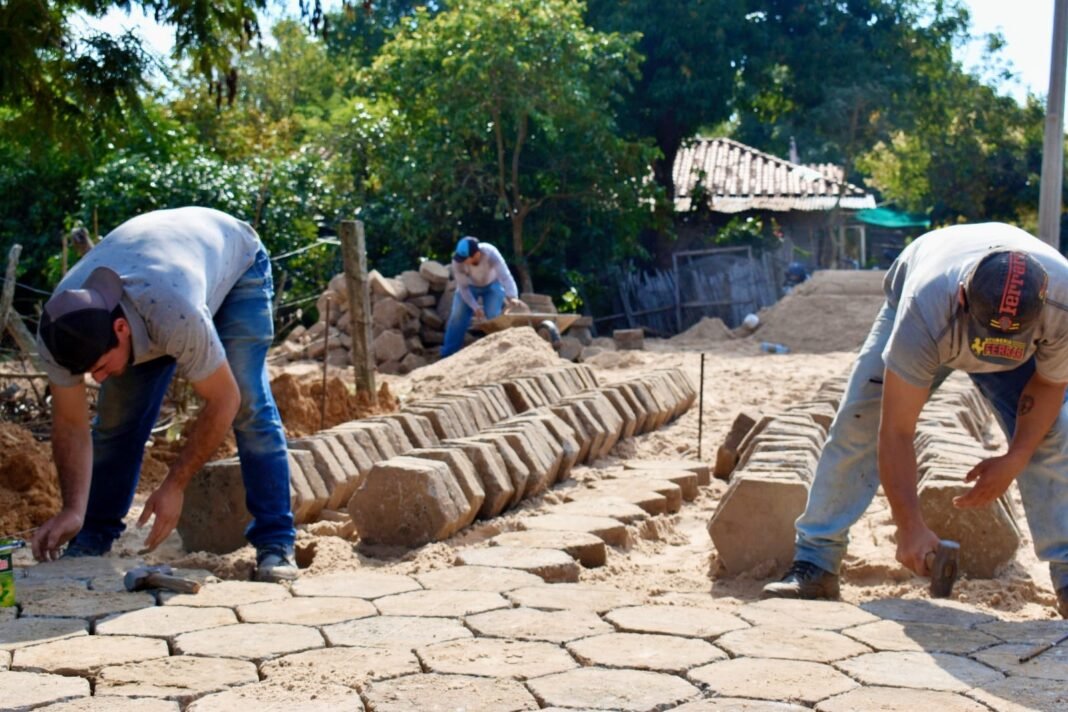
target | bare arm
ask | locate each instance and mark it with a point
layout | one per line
(72, 451)
(1040, 402)
(221, 400)
(901, 406)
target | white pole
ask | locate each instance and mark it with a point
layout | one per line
(1049, 201)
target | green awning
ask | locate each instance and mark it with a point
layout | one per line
(892, 218)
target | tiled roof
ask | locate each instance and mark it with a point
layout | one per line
(737, 177)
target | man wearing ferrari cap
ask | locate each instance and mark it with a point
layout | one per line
(186, 290)
(989, 300)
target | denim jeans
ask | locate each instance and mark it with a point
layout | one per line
(847, 475)
(128, 405)
(492, 297)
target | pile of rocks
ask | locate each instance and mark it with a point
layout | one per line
(408, 316)
(422, 474)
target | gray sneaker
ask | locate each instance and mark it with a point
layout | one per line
(275, 564)
(804, 580)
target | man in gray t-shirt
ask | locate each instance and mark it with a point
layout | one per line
(989, 300)
(484, 284)
(186, 290)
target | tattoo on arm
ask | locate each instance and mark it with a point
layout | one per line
(1025, 406)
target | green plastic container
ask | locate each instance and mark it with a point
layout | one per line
(7, 571)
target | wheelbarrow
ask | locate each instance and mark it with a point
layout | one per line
(548, 326)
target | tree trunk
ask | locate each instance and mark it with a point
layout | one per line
(525, 283)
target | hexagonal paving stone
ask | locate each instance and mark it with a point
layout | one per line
(612, 531)
(772, 641)
(403, 632)
(492, 657)
(352, 667)
(921, 637)
(33, 631)
(829, 615)
(440, 603)
(227, 594)
(445, 693)
(307, 610)
(532, 624)
(8, 614)
(112, 704)
(165, 621)
(587, 549)
(5, 660)
(736, 704)
(1032, 632)
(90, 605)
(249, 641)
(645, 651)
(362, 584)
(897, 699)
(775, 679)
(675, 620)
(477, 578)
(606, 506)
(612, 689)
(182, 678)
(921, 671)
(26, 690)
(1050, 665)
(573, 597)
(927, 611)
(1022, 694)
(266, 696)
(551, 565)
(84, 655)
(83, 568)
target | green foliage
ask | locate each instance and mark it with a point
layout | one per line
(497, 110)
(752, 231)
(570, 301)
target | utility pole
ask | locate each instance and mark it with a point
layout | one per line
(1049, 201)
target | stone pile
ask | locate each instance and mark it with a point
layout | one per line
(426, 472)
(408, 317)
(770, 461)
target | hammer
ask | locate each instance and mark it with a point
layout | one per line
(158, 577)
(943, 563)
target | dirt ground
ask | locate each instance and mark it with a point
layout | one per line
(822, 323)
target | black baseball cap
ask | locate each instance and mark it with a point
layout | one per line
(1005, 293)
(466, 247)
(76, 326)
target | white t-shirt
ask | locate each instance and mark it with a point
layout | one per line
(490, 268)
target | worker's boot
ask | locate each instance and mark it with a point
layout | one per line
(804, 580)
(275, 564)
(1062, 601)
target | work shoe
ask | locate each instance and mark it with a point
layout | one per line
(275, 564)
(804, 580)
(76, 549)
(1062, 601)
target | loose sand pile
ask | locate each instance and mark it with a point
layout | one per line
(496, 357)
(833, 311)
(708, 330)
(304, 410)
(29, 488)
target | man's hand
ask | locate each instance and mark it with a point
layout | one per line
(992, 478)
(166, 504)
(54, 533)
(479, 313)
(913, 546)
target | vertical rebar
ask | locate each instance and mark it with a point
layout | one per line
(700, 406)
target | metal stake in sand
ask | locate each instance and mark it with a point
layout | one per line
(700, 406)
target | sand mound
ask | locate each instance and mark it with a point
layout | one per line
(29, 488)
(707, 330)
(497, 357)
(300, 403)
(833, 311)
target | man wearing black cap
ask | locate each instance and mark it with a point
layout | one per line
(480, 274)
(989, 300)
(186, 290)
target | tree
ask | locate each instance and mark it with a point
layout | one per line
(500, 109)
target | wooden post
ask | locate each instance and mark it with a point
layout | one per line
(7, 295)
(10, 320)
(326, 352)
(354, 254)
(63, 256)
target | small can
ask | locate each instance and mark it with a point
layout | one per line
(7, 571)
(770, 347)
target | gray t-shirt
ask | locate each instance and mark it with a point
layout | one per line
(177, 266)
(490, 268)
(930, 327)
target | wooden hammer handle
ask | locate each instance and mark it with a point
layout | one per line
(172, 583)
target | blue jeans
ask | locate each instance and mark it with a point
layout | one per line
(492, 296)
(847, 475)
(128, 405)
